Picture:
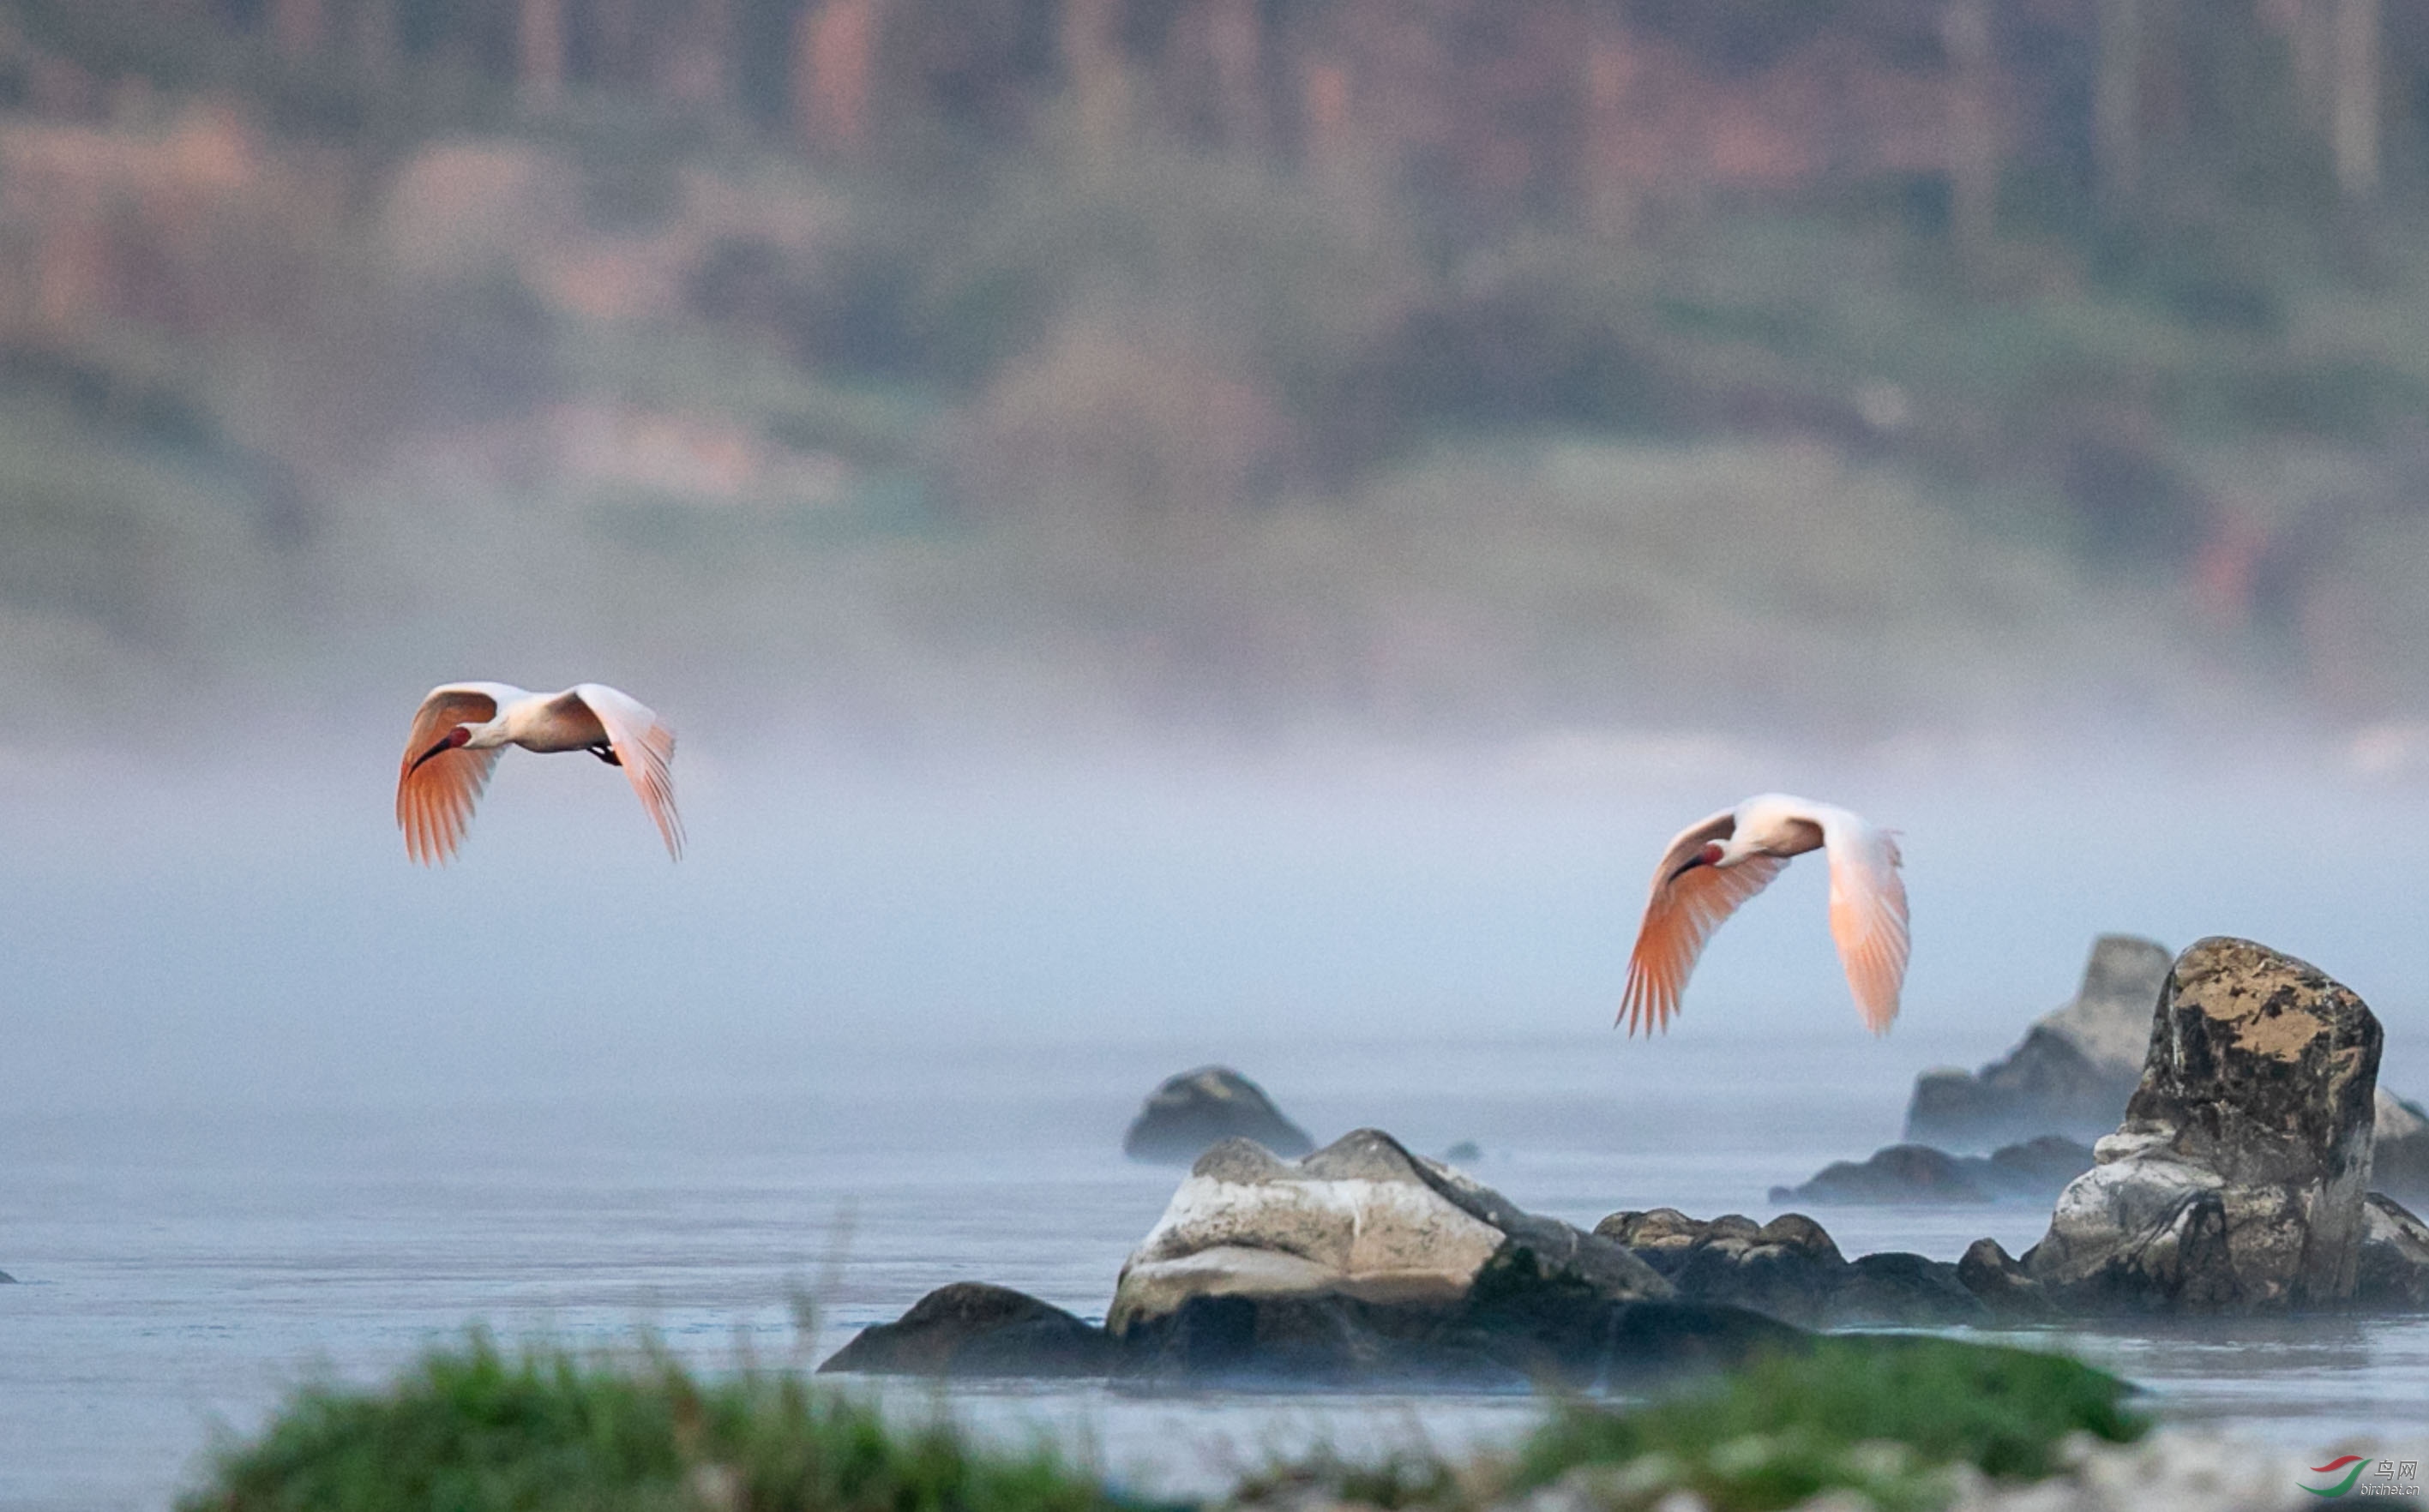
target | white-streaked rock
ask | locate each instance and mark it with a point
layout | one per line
(1362, 1217)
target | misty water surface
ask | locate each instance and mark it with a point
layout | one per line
(277, 1100)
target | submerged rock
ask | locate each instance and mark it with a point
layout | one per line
(1512, 1333)
(2070, 1075)
(1790, 1268)
(2392, 1271)
(2036, 1169)
(1203, 1108)
(971, 1328)
(2235, 1180)
(2400, 1151)
(1895, 1173)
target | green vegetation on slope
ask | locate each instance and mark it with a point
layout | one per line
(315, 363)
(471, 1429)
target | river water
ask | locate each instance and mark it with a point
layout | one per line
(179, 1269)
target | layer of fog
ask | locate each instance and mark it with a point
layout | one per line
(248, 932)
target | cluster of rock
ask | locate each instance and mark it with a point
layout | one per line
(1791, 1270)
(2238, 1182)
(2077, 1067)
(1361, 1262)
(2070, 1075)
(2238, 1179)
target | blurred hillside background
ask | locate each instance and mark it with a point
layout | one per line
(911, 370)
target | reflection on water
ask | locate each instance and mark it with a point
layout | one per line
(181, 1267)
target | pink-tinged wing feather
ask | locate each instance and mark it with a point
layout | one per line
(1686, 906)
(1868, 917)
(434, 800)
(646, 747)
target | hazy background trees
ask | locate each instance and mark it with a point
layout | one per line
(1421, 368)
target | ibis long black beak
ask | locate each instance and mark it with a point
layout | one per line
(447, 745)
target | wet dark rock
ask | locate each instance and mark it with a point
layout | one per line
(1203, 1108)
(2393, 1273)
(2074, 1071)
(1895, 1288)
(2036, 1169)
(2235, 1180)
(1513, 1332)
(1791, 1270)
(2001, 1282)
(6, 1279)
(970, 1328)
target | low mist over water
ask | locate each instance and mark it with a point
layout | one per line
(251, 933)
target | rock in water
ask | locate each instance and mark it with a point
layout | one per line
(1203, 1108)
(2072, 1073)
(1364, 1261)
(2393, 1272)
(970, 1328)
(1361, 1218)
(2036, 1169)
(2000, 1280)
(2400, 1155)
(2235, 1181)
(1790, 1268)
(1895, 1175)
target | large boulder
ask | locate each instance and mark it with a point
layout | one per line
(1791, 1270)
(970, 1328)
(2035, 1170)
(2235, 1181)
(1361, 1218)
(1203, 1108)
(2070, 1075)
(1364, 1261)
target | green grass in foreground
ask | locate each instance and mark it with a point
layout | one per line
(1885, 1418)
(1881, 1415)
(471, 1429)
